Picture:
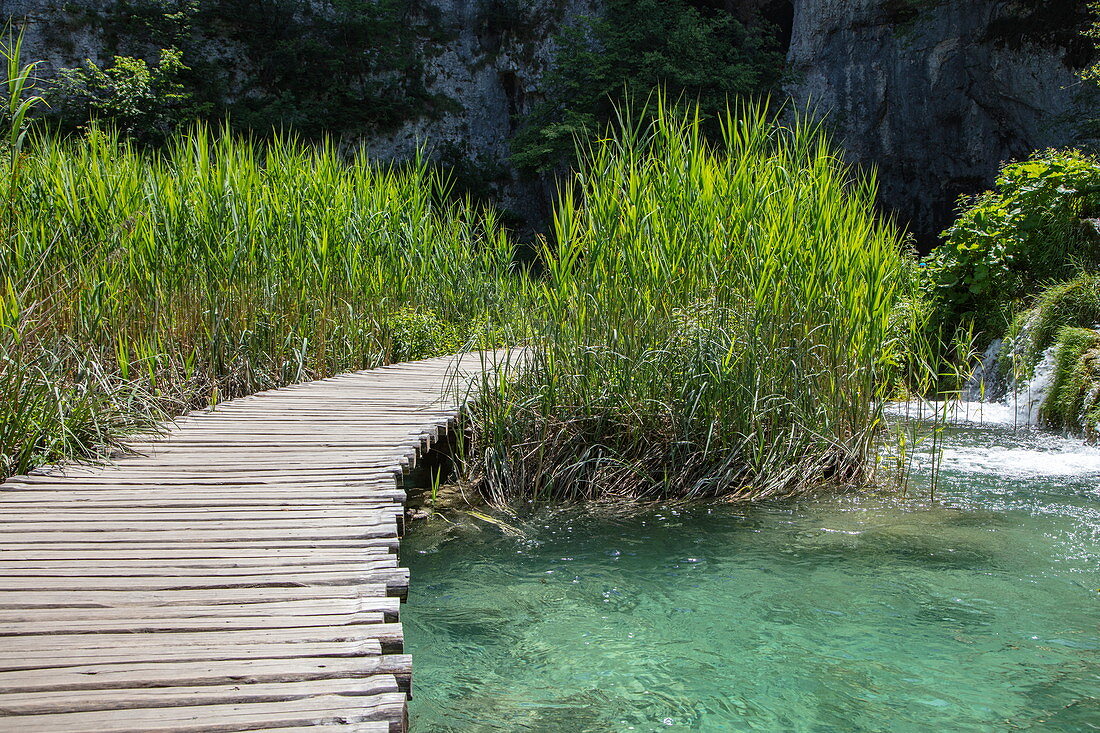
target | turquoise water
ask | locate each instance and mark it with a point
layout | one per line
(978, 612)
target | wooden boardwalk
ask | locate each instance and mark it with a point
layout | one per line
(238, 573)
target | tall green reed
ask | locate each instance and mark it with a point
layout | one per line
(18, 102)
(137, 284)
(715, 322)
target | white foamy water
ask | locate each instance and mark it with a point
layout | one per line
(984, 381)
(958, 412)
(1071, 459)
(1028, 400)
(1019, 408)
(1010, 450)
(1014, 446)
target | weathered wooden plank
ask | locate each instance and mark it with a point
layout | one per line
(208, 546)
(361, 521)
(211, 566)
(203, 553)
(184, 504)
(343, 607)
(366, 692)
(367, 478)
(101, 570)
(389, 635)
(390, 542)
(340, 641)
(272, 469)
(152, 650)
(374, 470)
(385, 529)
(395, 579)
(359, 639)
(375, 726)
(23, 515)
(232, 717)
(375, 593)
(215, 672)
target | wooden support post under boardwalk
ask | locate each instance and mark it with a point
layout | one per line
(235, 573)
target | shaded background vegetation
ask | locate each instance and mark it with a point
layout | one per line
(698, 51)
(344, 67)
(361, 70)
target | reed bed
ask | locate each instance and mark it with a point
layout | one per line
(135, 285)
(715, 321)
(714, 318)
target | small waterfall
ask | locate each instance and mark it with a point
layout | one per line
(986, 383)
(989, 397)
(1028, 398)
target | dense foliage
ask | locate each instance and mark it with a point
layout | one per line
(716, 321)
(1070, 304)
(1074, 399)
(1092, 73)
(144, 102)
(1037, 225)
(695, 49)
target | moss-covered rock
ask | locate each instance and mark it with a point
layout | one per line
(1074, 303)
(1074, 399)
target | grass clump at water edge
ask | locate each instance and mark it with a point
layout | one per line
(715, 322)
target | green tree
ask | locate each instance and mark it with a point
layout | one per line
(1092, 73)
(335, 67)
(146, 102)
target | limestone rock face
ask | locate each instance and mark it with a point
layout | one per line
(926, 91)
(493, 74)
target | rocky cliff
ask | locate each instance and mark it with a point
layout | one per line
(937, 94)
(934, 93)
(491, 68)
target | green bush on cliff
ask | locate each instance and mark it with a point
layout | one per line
(1035, 227)
(146, 102)
(339, 67)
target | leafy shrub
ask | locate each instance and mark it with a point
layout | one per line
(343, 66)
(412, 333)
(1034, 227)
(145, 102)
(1092, 73)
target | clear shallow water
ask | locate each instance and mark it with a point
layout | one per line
(980, 612)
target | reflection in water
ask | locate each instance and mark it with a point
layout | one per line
(977, 613)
